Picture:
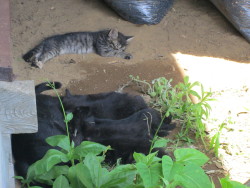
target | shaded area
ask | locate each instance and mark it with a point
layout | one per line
(109, 77)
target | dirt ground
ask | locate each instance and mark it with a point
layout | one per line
(193, 38)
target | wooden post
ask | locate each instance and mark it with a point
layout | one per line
(6, 72)
(6, 165)
(17, 115)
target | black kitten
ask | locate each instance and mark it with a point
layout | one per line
(126, 136)
(111, 105)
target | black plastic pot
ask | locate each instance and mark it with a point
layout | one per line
(141, 11)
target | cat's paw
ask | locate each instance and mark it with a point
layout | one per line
(39, 64)
(128, 56)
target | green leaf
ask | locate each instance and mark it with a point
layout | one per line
(227, 183)
(35, 187)
(112, 182)
(247, 109)
(213, 185)
(124, 173)
(61, 182)
(194, 93)
(69, 117)
(186, 79)
(167, 165)
(149, 174)
(160, 142)
(217, 145)
(18, 177)
(176, 169)
(152, 94)
(31, 172)
(150, 158)
(193, 176)
(61, 141)
(139, 157)
(79, 176)
(195, 84)
(166, 182)
(189, 155)
(87, 147)
(98, 174)
(54, 172)
(72, 144)
(51, 158)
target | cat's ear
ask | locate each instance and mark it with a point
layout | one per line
(129, 38)
(67, 93)
(113, 33)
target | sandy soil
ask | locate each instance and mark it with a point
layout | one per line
(192, 28)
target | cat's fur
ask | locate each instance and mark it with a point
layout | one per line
(108, 43)
(111, 105)
(126, 136)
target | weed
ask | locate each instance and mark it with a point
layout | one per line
(226, 182)
(181, 137)
(184, 171)
(215, 140)
(177, 102)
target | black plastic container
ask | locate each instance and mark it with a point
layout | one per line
(237, 12)
(141, 11)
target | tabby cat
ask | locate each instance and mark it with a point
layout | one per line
(108, 43)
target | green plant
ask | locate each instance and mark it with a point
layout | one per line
(215, 140)
(177, 102)
(227, 183)
(182, 137)
(82, 166)
(184, 171)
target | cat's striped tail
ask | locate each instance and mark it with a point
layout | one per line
(29, 56)
(44, 87)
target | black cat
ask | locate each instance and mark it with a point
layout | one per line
(111, 105)
(126, 136)
(121, 120)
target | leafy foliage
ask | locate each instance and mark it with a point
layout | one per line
(215, 141)
(186, 170)
(148, 170)
(83, 166)
(177, 102)
(227, 183)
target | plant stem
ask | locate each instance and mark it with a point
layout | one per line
(143, 82)
(155, 136)
(64, 114)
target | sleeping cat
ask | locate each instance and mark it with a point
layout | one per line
(107, 43)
